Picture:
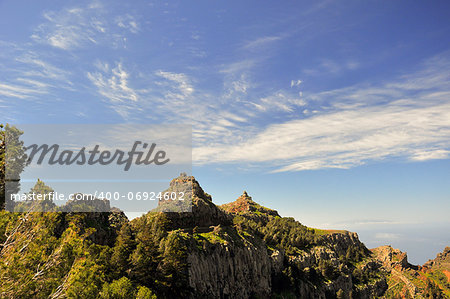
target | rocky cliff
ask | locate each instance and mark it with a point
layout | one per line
(432, 280)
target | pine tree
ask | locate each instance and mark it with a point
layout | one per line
(12, 162)
(125, 244)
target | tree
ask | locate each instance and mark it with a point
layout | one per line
(145, 293)
(85, 279)
(118, 289)
(125, 244)
(42, 199)
(12, 162)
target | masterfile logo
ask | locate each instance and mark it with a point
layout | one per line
(94, 156)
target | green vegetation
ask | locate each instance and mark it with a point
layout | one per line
(211, 237)
(12, 162)
(65, 252)
(321, 232)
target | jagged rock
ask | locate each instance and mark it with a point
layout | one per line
(202, 213)
(245, 204)
(391, 257)
(277, 258)
(342, 240)
(442, 260)
(406, 280)
(227, 271)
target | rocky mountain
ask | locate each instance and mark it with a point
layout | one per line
(441, 262)
(432, 280)
(237, 250)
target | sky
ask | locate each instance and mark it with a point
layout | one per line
(337, 114)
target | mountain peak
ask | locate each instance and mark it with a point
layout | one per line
(442, 260)
(189, 186)
(245, 198)
(245, 204)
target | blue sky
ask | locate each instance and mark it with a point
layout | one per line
(335, 113)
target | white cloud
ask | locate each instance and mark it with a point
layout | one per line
(113, 84)
(343, 139)
(279, 101)
(68, 29)
(38, 68)
(183, 85)
(128, 22)
(29, 77)
(78, 27)
(296, 83)
(261, 42)
(19, 91)
(240, 86)
(340, 128)
(431, 155)
(357, 124)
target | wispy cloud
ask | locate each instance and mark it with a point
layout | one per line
(113, 84)
(261, 42)
(407, 117)
(238, 66)
(356, 125)
(29, 76)
(83, 26)
(20, 91)
(128, 22)
(351, 126)
(328, 66)
(431, 154)
(296, 83)
(279, 101)
(182, 84)
(38, 68)
(69, 28)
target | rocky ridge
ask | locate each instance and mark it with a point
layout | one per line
(409, 281)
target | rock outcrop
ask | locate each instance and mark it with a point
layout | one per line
(391, 257)
(201, 212)
(407, 280)
(442, 260)
(244, 204)
(231, 271)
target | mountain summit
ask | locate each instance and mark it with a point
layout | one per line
(245, 204)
